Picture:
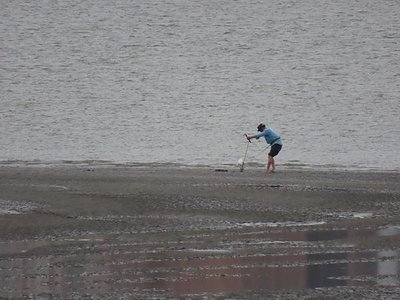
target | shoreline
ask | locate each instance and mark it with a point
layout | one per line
(289, 166)
(145, 232)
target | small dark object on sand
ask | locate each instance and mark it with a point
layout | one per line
(221, 170)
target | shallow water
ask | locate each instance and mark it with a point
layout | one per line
(181, 82)
(120, 265)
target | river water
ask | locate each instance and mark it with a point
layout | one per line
(173, 81)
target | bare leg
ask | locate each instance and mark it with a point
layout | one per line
(271, 164)
(268, 163)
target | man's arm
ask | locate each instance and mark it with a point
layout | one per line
(255, 136)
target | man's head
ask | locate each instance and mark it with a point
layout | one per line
(261, 127)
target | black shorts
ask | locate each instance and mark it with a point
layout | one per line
(275, 150)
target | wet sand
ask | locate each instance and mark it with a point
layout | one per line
(118, 232)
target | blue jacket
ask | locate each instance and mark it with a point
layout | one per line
(270, 136)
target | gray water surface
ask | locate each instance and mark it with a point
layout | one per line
(182, 81)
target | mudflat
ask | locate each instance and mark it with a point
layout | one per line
(120, 232)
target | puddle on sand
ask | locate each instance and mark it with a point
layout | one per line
(218, 263)
(8, 207)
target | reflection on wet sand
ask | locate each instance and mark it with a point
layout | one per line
(388, 270)
(242, 261)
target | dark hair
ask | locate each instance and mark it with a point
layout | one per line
(261, 127)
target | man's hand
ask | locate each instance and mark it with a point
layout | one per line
(248, 137)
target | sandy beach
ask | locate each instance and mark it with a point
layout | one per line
(165, 232)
